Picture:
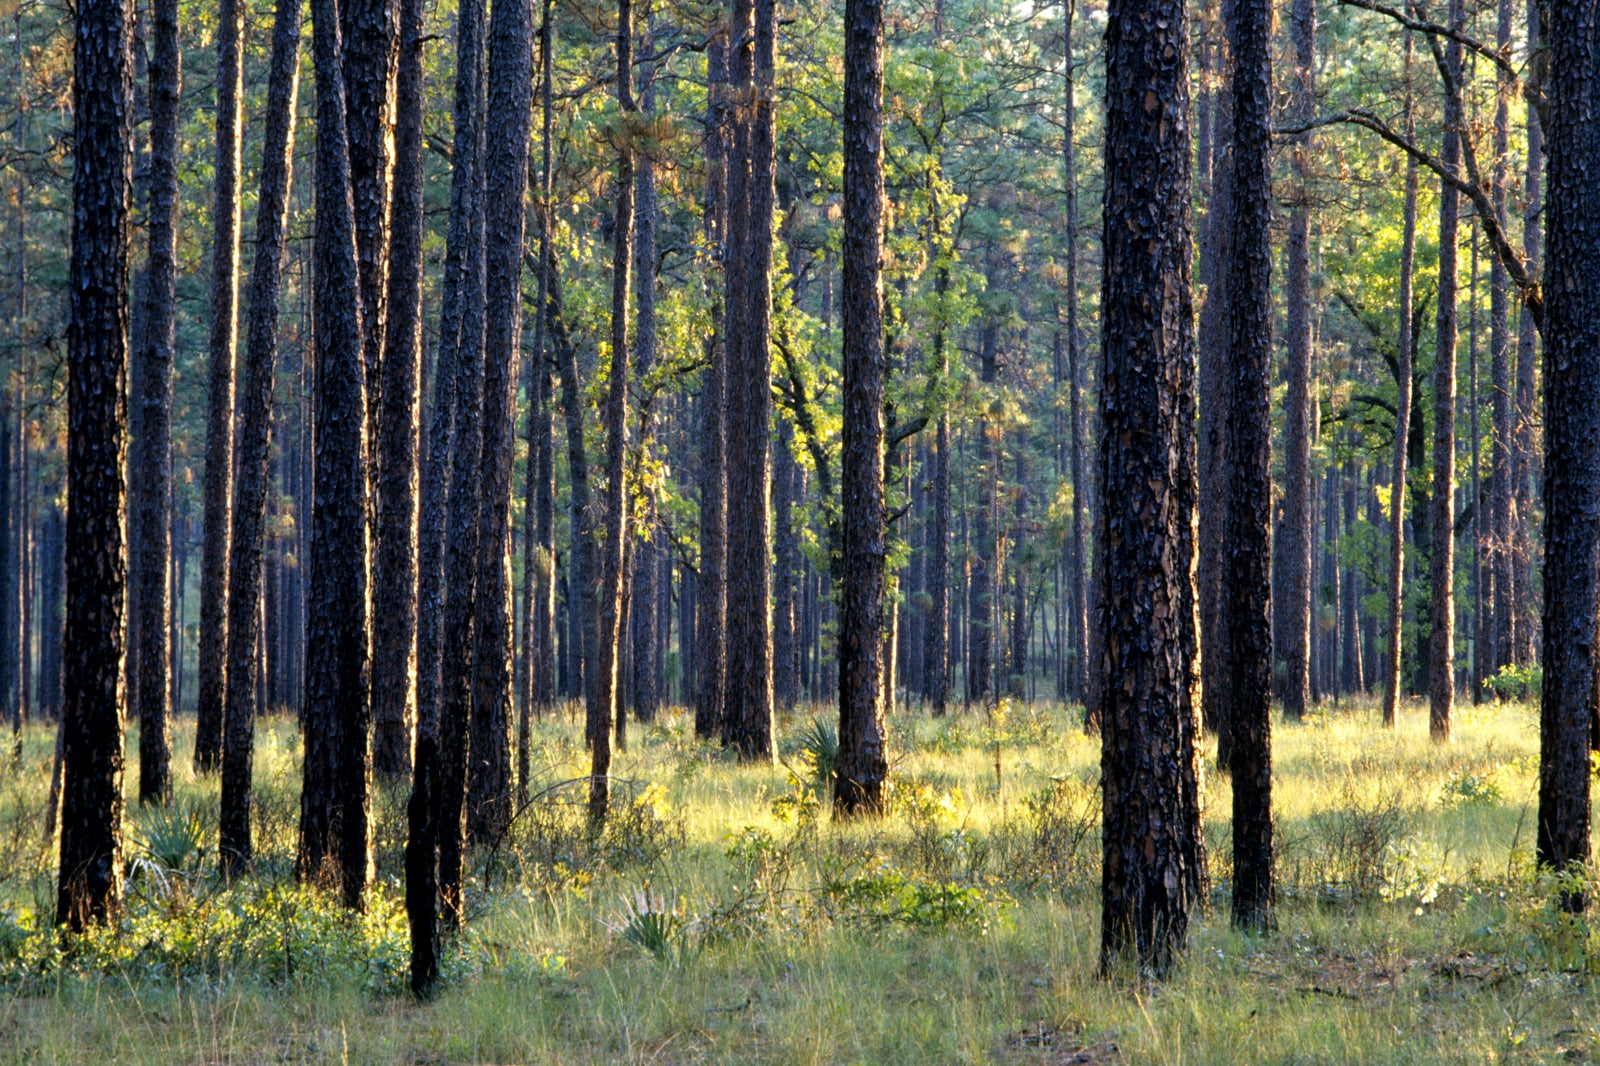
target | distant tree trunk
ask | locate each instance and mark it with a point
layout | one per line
(213, 680)
(643, 695)
(151, 467)
(462, 547)
(982, 576)
(1021, 630)
(1441, 560)
(786, 500)
(50, 613)
(1572, 439)
(90, 873)
(582, 582)
(1352, 677)
(1405, 344)
(710, 588)
(394, 646)
(1247, 581)
(1501, 638)
(937, 656)
(1297, 609)
(1153, 870)
(333, 805)
(1216, 385)
(1525, 455)
(748, 681)
(604, 707)
(509, 113)
(863, 760)
(434, 817)
(1077, 607)
(255, 439)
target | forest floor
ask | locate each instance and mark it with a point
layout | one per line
(721, 917)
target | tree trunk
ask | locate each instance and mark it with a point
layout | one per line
(863, 759)
(786, 501)
(1502, 634)
(748, 681)
(90, 873)
(1153, 870)
(1405, 345)
(1216, 385)
(604, 707)
(223, 346)
(370, 33)
(255, 440)
(434, 818)
(1298, 608)
(333, 806)
(395, 561)
(1247, 581)
(1572, 438)
(1525, 456)
(1078, 624)
(1441, 560)
(151, 467)
(509, 113)
(643, 696)
(710, 588)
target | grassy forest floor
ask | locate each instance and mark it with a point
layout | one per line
(722, 918)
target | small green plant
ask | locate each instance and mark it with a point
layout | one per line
(818, 748)
(652, 925)
(886, 897)
(1513, 682)
(172, 836)
(1467, 788)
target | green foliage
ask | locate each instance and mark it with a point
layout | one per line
(1517, 683)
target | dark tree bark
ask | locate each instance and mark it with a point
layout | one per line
(510, 115)
(937, 657)
(605, 708)
(151, 467)
(394, 643)
(1212, 454)
(1405, 345)
(1442, 557)
(983, 556)
(255, 440)
(333, 797)
(51, 579)
(748, 680)
(90, 874)
(1297, 608)
(461, 277)
(710, 588)
(1153, 870)
(583, 581)
(370, 34)
(863, 766)
(1572, 436)
(223, 348)
(1247, 580)
(433, 839)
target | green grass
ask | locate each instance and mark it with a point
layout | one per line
(723, 918)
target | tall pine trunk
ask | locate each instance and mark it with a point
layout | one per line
(1405, 345)
(710, 588)
(748, 678)
(150, 472)
(605, 706)
(90, 873)
(1153, 868)
(394, 643)
(509, 113)
(863, 759)
(1297, 609)
(255, 439)
(223, 350)
(1247, 579)
(333, 799)
(1572, 438)
(1441, 559)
